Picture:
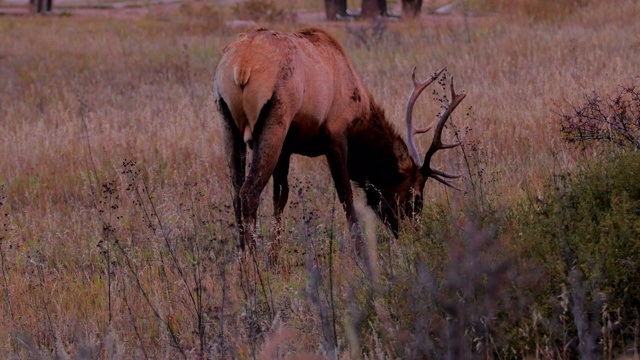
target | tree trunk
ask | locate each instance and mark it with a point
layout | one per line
(335, 9)
(411, 8)
(373, 8)
(41, 6)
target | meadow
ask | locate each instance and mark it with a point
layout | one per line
(117, 238)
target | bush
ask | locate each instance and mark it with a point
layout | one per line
(614, 120)
(585, 235)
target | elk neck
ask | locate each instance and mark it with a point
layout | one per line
(378, 155)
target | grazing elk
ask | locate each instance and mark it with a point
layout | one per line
(285, 93)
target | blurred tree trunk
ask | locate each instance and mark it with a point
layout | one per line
(411, 8)
(41, 6)
(335, 8)
(374, 8)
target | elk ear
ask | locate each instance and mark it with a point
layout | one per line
(405, 163)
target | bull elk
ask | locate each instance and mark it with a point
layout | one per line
(282, 93)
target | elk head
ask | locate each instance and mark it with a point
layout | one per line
(404, 197)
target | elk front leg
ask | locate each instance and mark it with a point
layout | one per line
(280, 197)
(281, 186)
(266, 152)
(337, 159)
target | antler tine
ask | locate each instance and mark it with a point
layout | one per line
(444, 174)
(445, 182)
(436, 143)
(418, 88)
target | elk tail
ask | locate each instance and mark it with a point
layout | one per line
(241, 75)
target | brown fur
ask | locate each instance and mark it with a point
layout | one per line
(284, 93)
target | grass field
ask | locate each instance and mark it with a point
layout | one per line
(117, 237)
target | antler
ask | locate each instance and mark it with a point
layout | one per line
(436, 143)
(411, 131)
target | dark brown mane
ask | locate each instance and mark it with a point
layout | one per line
(321, 37)
(374, 146)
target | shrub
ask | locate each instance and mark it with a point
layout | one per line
(585, 235)
(614, 120)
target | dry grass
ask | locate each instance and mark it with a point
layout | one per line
(81, 96)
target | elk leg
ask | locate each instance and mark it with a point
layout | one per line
(281, 186)
(238, 165)
(280, 197)
(267, 148)
(236, 152)
(337, 159)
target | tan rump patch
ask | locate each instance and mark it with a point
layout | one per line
(247, 134)
(241, 75)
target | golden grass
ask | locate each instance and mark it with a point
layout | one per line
(142, 89)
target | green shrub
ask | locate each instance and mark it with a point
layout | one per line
(584, 233)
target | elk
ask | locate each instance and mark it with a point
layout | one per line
(284, 93)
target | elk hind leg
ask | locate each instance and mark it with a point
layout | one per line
(268, 140)
(236, 152)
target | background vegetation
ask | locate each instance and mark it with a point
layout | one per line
(116, 236)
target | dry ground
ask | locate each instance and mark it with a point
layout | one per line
(114, 192)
